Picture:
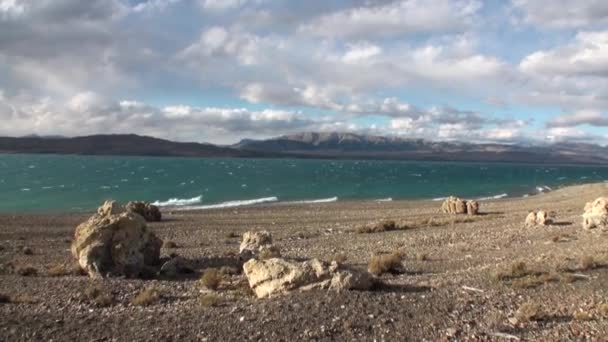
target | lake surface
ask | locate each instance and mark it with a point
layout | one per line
(48, 183)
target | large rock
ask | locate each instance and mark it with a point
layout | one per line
(115, 244)
(253, 243)
(279, 276)
(455, 205)
(148, 211)
(596, 214)
(109, 208)
(538, 218)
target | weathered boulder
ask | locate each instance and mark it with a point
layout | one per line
(148, 211)
(253, 243)
(109, 208)
(455, 205)
(596, 214)
(115, 244)
(538, 218)
(279, 276)
(472, 207)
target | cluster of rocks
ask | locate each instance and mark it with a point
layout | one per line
(538, 218)
(596, 214)
(455, 205)
(148, 211)
(115, 242)
(255, 244)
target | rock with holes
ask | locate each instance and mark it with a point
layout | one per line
(455, 205)
(148, 211)
(253, 243)
(538, 218)
(115, 244)
(596, 214)
(109, 208)
(279, 276)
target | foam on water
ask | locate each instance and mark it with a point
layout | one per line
(178, 202)
(390, 199)
(493, 197)
(232, 204)
(322, 200)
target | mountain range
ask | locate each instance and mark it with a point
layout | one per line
(330, 145)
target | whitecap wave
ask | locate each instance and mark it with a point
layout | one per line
(232, 204)
(179, 202)
(493, 197)
(439, 199)
(389, 199)
(322, 200)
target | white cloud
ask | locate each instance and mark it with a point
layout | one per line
(153, 5)
(397, 18)
(563, 13)
(361, 52)
(581, 117)
(11, 8)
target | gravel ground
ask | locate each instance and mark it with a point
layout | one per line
(451, 286)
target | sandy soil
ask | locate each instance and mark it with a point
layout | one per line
(449, 289)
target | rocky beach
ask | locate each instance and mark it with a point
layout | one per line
(497, 273)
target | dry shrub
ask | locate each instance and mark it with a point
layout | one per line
(587, 263)
(517, 270)
(380, 227)
(603, 309)
(529, 312)
(269, 253)
(422, 257)
(232, 235)
(23, 299)
(97, 294)
(148, 296)
(534, 281)
(169, 244)
(228, 271)
(62, 270)
(386, 263)
(26, 270)
(339, 258)
(209, 300)
(211, 279)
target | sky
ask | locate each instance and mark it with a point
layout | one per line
(512, 71)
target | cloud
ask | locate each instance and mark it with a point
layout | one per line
(563, 13)
(582, 117)
(586, 56)
(397, 18)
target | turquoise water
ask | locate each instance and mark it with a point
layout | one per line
(43, 183)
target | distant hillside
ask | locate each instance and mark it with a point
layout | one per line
(117, 145)
(349, 145)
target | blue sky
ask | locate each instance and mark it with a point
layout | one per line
(513, 71)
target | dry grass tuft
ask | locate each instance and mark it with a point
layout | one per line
(26, 270)
(383, 226)
(23, 299)
(211, 279)
(232, 235)
(62, 270)
(209, 300)
(587, 263)
(386, 263)
(228, 271)
(534, 281)
(148, 296)
(169, 244)
(529, 312)
(97, 294)
(603, 309)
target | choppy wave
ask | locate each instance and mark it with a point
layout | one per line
(322, 200)
(179, 202)
(439, 199)
(543, 188)
(232, 204)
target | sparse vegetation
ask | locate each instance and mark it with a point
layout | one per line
(23, 299)
(169, 244)
(97, 294)
(26, 270)
(228, 270)
(211, 279)
(209, 300)
(529, 312)
(232, 235)
(603, 309)
(534, 281)
(62, 270)
(380, 227)
(422, 257)
(148, 296)
(386, 263)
